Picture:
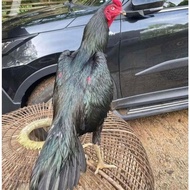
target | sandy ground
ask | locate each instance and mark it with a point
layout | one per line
(165, 138)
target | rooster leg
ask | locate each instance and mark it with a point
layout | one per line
(86, 145)
(101, 163)
(96, 138)
(96, 144)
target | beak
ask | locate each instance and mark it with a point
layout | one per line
(123, 12)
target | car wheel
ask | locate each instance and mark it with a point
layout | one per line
(43, 92)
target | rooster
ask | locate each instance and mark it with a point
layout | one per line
(81, 100)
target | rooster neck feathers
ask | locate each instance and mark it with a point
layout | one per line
(91, 42)
(95, 35)
(97, 25)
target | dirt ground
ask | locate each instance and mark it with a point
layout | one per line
(165, 138)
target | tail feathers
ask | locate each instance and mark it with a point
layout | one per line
(59, 165)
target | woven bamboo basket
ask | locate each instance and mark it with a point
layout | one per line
(119, 144)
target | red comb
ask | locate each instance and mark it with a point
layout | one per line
(117, 2)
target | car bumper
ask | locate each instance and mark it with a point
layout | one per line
(7, 103)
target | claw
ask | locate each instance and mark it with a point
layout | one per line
(87, 144)
(102, 165)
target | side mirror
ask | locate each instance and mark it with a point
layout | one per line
(140, 8)
(149, 4)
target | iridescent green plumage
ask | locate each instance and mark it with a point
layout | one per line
(82, 96)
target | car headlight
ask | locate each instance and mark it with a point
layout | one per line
(11, 44)
(5, 44)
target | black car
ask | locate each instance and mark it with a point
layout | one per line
(147, 55)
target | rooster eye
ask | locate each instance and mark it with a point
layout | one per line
(112, 8)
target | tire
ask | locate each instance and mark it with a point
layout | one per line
(43, 92)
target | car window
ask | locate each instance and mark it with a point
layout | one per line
(20, 7)
(175, 3)
(92, 2)
(52, 13)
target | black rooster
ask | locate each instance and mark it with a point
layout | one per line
(82, 96)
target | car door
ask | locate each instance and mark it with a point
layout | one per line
(154, 57)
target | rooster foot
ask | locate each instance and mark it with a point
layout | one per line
(87, 144)
(102, 165)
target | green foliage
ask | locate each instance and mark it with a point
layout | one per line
(169, 3)
(162, 29)
(184, 2)
(25, 8)
(26, 5)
